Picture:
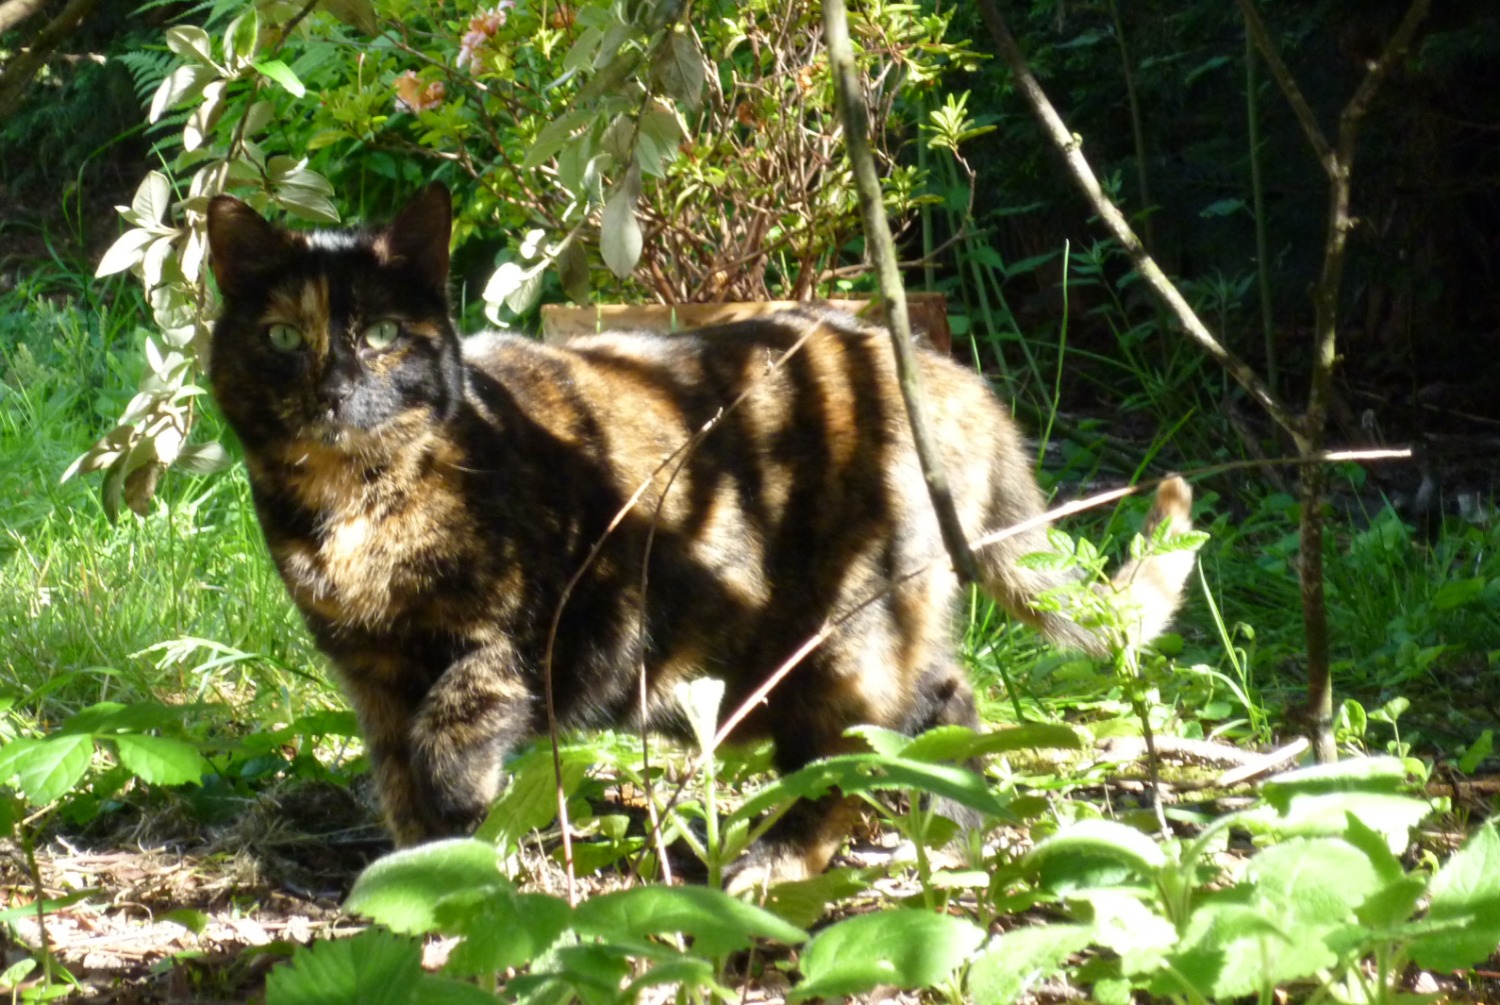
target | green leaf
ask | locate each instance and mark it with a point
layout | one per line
(1014, 961)
(501, 928)
(699, 699)
(1359, 774)
(1232, 949)
(433, 989)
(355, 13)
(373, 968)
(1071, 857)
(657, 139)
(717, 922)
(190, 42)
(679, 72)
(203, 459)
(1321, 880)
(1123, 923)
(803, 902)
(46, 769)
(403, 890)
(854, 773)
(159, 760)
(619, 230)
(180, 85)
(553, 136)
(1477, 752)
(905, 948)
(530, 800)
(1458, 593)
(278, 71)
(1465, 890)
(128, 249)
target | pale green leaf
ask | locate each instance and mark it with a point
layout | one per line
(679, 69)
(402, 891)
(717, 922)
(190, 42)
(1016, 960)
(1465, 890)
(372, 968)
(181, 84)
(160, 760)
(128, 249)
(355, 13)
(903, 948)
(619, 230)
(48, 769)
(278, 71)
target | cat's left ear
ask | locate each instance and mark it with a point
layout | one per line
(417, 239)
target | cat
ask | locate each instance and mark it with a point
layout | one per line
(428, 498)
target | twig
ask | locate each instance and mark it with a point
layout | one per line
(880, 248)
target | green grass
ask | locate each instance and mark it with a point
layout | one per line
(83, 601)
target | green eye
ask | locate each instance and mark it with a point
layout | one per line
(285, 337)
(381, 334)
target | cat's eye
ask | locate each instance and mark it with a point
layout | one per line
(381, 334)
(284, 337)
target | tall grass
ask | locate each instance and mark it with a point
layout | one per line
(86, 605)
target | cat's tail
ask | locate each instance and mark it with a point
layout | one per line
(1145, 591)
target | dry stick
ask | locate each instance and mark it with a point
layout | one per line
(879, 247)
(1306, 430)
(1337, 161)
(1071, 147)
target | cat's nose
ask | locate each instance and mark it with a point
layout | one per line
(337, 384)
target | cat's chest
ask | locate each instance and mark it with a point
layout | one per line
(380, 544)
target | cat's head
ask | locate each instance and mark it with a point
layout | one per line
(338, 337)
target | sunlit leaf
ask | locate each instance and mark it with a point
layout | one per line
(902, 948)
(619, 230)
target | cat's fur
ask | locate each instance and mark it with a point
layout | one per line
(428, 501)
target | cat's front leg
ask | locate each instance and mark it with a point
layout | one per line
(474, 715)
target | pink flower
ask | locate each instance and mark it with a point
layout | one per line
(482, 28)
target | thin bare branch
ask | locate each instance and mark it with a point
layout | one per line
(1071, 148)
(882, 251)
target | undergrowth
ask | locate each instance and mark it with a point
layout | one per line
(159, 658)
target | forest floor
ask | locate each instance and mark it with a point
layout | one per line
(165, 912)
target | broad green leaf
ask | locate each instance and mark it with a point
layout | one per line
(803, 902)
(1233, 948)
(553, 135)
(180, 85)
(657, 139)
(1123, 923)
(905, 948)
(159, 760)
(278, 71)
(1310, 814)
(1477, 752)
(1014, 961)
(530, 800)
(854, 773)
(890, 742)
(679, 70)
(717, 922)
(1321, 880)
(686, 972)
(203, 459)
(355, 13)
(1383, 775)
(47, 769)
(501, 928)
(190, 42)
(403, 890)
(1467, 890)
(573, 271)
(1072, 854)
(373, 968)
(152, 199)
(1458, 593)
(138, 717)
(128, 249)
(619, 230)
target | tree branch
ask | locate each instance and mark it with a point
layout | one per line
(21, 70)
(13, 12)
(882, 252)
(1070, 146)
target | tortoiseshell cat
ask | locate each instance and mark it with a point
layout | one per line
(428, 498)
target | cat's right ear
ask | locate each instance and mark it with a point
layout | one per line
(243, 248)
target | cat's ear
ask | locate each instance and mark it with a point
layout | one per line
(243, 248)
(417, 239)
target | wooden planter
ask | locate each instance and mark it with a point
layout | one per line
(560, 322)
